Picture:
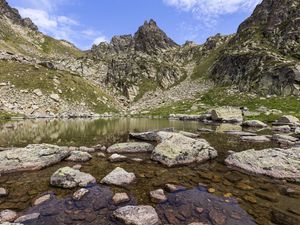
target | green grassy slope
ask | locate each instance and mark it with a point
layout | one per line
(75, 89)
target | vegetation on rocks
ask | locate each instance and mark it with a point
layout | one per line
(73, 88)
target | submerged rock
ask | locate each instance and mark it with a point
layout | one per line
(137, 215)
(78, 156)
(78, 195)
(158, 196)
(7, 216)
(255, 138)
(177, 149)
(69, 178)
(3, 192)
(276, 162)
(130, 147)
(42, 199)
(175, 188)
(32, 157)
(119, 177)
(186, 207)
(27, 217)
(227, 114)
(117, 158)
(120, 198)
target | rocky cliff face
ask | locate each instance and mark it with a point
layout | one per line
(264, 54)
(14, 15)
(139, 63)
(278, 22)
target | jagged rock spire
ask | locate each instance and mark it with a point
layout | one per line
(150, 38)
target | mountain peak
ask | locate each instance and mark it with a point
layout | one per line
(14, 16)
(150, 38)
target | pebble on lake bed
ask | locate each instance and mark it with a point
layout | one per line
(7, 216)
(158, 196)
(117, 158)
(120, 198)
(3, 192)
(78, 195)
(42, 199)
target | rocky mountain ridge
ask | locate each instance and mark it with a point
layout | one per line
(149, 70)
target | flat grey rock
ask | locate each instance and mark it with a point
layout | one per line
(32, 157)
(273, 162)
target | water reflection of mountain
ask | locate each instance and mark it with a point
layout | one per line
(81, 132)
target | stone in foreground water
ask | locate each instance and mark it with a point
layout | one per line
(273, 162)
(69, 178)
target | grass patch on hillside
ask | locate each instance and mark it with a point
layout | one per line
(145, 86)
(50, 45)
(75, 89)
(219, 96)
(202, 67)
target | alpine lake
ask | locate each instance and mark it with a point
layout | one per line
(257, 195)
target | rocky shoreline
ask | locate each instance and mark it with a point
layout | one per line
(168, 147)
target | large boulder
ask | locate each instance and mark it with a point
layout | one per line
(119, 177)
(177, 149)
(137, 215)
(227, 114)
(32, 157)
(273, 162)
(67, 177)
(131, 147)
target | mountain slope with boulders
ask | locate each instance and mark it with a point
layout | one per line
(264, 55)
(148, 70)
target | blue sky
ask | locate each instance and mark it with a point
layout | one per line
(84, 22)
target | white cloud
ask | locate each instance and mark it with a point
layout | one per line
(61, 27)
(40, 18)
(208, 11)
(48, 5)
(100, 39)
(67, 20)
(44, 14)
